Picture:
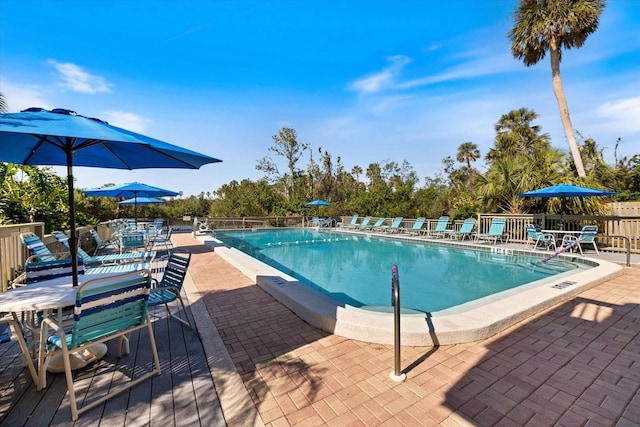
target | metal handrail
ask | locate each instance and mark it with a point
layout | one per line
(397, 374)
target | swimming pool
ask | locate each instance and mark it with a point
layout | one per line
(356, 269)
(352, 316)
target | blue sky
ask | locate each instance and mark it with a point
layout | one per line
(368, 81)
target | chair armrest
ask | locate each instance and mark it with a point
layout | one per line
(169, 288)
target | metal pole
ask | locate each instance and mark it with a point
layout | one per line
(397, 374)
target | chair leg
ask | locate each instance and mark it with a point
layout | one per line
(26, 354)
(184, 310)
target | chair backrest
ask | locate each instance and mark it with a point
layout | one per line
(443, 221)
(497, 226)
(419, 223)
(159, 223)
(532, 232)
(354, 220)
(365, 221)
(96, 237)
(379, 222)
(63, 239)
(107, 306)
(396, 222)
(467, 226)
(37, 271)
(176, 269)
(132, 241)
(36, 246)
(588, 233)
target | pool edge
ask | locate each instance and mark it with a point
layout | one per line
(475, 324)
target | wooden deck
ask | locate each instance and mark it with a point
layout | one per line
(184, 394)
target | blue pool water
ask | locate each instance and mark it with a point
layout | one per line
(356, 269)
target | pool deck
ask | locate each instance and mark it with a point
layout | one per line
(577, 363)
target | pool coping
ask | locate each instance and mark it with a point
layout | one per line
(419, 329)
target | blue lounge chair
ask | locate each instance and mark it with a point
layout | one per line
(377, 225)
(395, 225)
(496, 231)
(537, 238)
(364, 224)
(417, 226)
(111, 242)
(587, 235)
(36, 246)
(466, 230)
(94, 261)
(353, 223)
(441, 228)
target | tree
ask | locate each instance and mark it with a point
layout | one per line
(516, 135)
(285, 145)
(468, 152)
(553, 25)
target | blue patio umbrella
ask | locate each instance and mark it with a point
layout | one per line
(141, 201)
(566, 190)
(136, 190)
(318, 203)
(64, 138)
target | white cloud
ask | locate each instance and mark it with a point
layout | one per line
(78, 80)
(383, 79)
(125, 120)
(477, 67)
(20, 97)
(622, 114)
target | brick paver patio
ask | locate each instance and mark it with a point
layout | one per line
(577, 364)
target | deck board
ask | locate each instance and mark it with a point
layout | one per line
(184, 394)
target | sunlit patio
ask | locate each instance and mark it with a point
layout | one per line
(254, 362)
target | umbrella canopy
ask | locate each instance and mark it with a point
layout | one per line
(64, 138)
(318, 203)
(131, 189)
(566, 190)
(136, 190)
(141, 201)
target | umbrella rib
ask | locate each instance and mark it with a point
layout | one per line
(164, 153)
(44, 139)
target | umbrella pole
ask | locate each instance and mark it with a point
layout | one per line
(73, 240)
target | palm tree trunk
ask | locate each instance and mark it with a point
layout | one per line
(564, 109)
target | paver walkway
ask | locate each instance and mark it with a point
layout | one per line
(577, 364)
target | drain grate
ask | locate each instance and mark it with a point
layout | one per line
(563, 285)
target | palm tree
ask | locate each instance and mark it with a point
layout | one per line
(357, 171)
(468, 152)
(553, 25)
(517, 135)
